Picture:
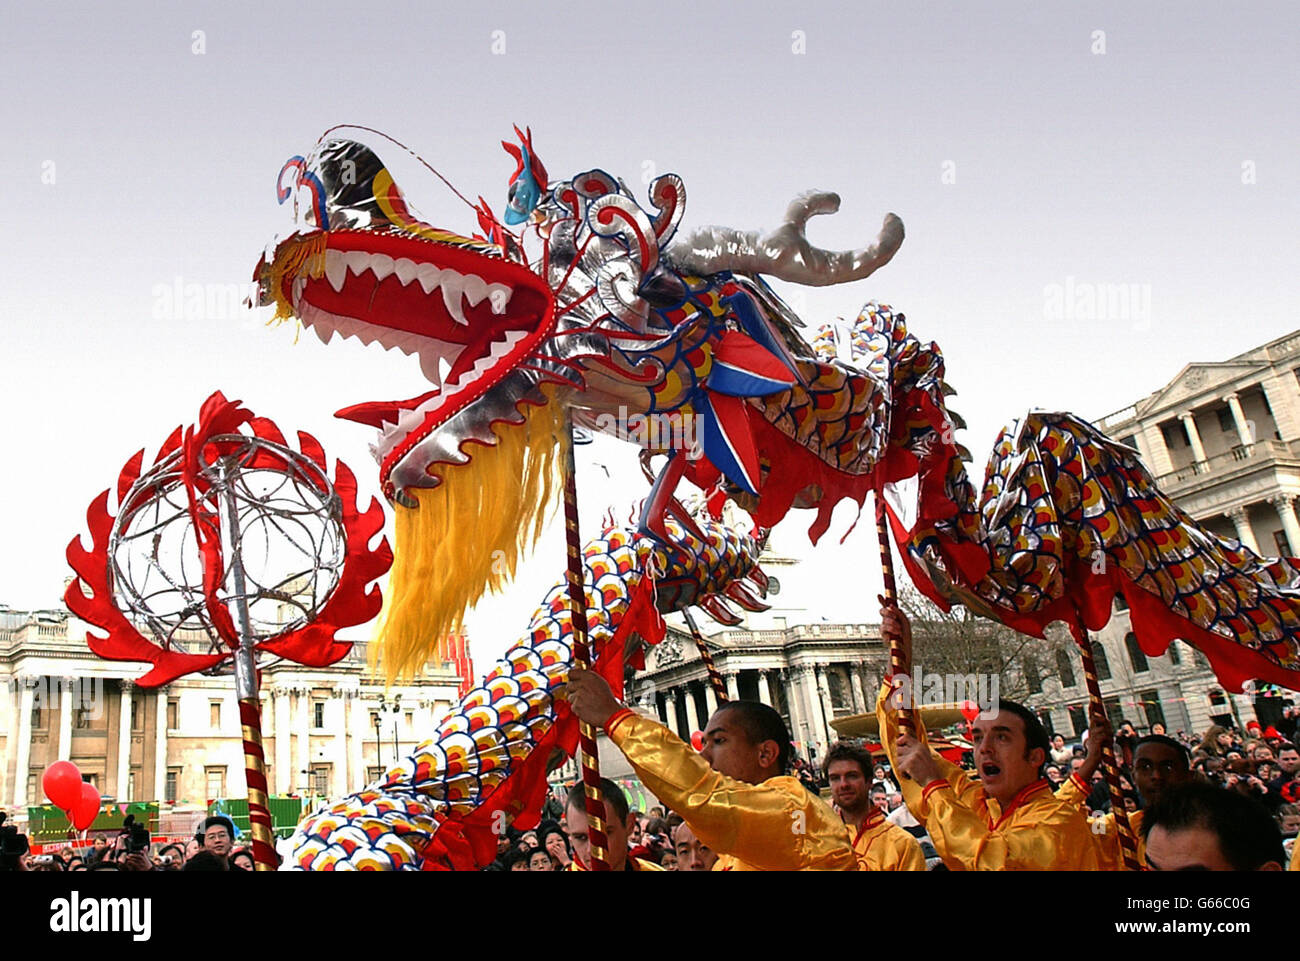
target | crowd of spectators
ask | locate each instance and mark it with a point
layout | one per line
(212, 848)
(1261, 764)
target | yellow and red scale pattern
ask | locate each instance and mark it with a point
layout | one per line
(402, 821)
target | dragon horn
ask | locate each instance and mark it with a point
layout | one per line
(785, 253)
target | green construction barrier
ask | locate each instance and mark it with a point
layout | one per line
(47, 823)
(285, 812)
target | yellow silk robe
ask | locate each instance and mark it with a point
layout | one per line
(1104, 832)
(971, 831)
(773, 826)
(882, 846)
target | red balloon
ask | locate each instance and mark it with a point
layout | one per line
(970, 710)
(697, 740)
(87, 808)
(62, 784)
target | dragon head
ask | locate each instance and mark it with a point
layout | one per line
(511, 348)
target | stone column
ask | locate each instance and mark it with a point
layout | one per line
(122, 792)
(65, 719)
(1244, 433)
(799, 726)
(338, 724)
(692, 712)
(304, 741)
(855, 684)
(807, 683)
(1285, 505)
(357, 730)
(710, 699)
(764, 688)
(1245, 534)
(283, 746)
(733, 685)
(160, 745)
(828, 708)
(676, 694)
(24, 734)
(1189, 422)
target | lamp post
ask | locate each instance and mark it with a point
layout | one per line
(385, 706)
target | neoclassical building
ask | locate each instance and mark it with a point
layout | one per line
(1223, 441)
(327, 731)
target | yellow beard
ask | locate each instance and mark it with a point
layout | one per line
(466, 537)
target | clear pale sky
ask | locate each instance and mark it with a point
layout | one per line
(1022, 148)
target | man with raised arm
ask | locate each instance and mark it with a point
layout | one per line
(734, 793)
(1009, 819)
(1159, 763)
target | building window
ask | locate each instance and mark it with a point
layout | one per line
(1135, 654)
(1174, 657)
(1065, 668)
(1032, 675)
(1151, 707)
(1114, 712)
(836, 688)
(91, 779)
(38, 716)
(373, 774)
(374, 719)
(1129, 441)
(82, 718)
(33, 794)
(173, 714)
(1045, 719)
(135, 714)
(1226, 423)
(214, 721)
(320, 777)
(410, 720)
(1283, 546)
(318, 714)
(1078, 718)
(1102, 662)
(173, 779)
(215, 779)
(130, 786)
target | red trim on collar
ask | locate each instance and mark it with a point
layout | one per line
(1028, 791)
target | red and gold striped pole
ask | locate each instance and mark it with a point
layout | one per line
(582, 656)
(897, 664)
(715, 677)
(1127, 844)
(259, 811)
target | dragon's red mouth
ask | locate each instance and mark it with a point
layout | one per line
(471, 318)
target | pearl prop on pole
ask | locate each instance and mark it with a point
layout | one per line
(230, 551)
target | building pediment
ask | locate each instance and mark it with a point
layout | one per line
(1197, 379)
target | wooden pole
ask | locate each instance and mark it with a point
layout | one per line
(897, 664)
(715, 678)
(577, 583)
(1128, 846)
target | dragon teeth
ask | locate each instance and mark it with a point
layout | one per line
(452, 287)
(405, 270)
(381, 265)
(336, 271)
(499, 297)
(428, 275)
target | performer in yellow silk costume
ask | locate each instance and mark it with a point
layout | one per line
(1011, 821)
(617, 820)
(878, 844)
(1159, 763)
(760, 820)
(882, 846)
